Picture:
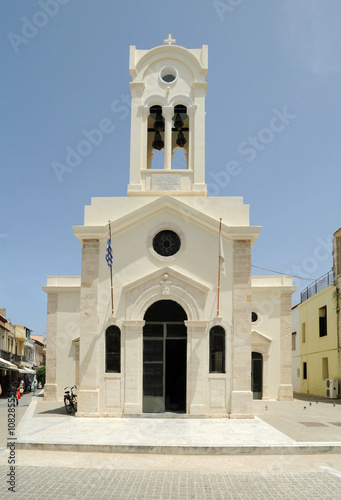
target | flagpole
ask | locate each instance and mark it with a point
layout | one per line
(112, 290)
(219, 268)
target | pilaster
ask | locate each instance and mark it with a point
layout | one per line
(199, 136)
(265, 376)
(88, 355)
(286, 388)
(241, 397)
(197, 367)
(136, 134)
(50, 388)
(133, 366)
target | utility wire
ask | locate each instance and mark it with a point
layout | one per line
(293, 275)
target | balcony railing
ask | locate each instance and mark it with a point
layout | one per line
(15, 358)
(318, 285)
(5, 355)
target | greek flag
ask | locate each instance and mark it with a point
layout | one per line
(108, 253)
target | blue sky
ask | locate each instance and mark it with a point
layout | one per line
(273, 106)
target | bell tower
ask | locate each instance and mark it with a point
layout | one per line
(167, 149)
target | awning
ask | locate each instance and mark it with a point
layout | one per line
(7, 365)
(27, 370)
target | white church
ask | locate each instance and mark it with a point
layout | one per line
(166, 332)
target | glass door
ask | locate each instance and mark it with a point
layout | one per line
(257, 375)
(153, 369)
(164, 367)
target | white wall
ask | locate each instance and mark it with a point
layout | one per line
(68, 329)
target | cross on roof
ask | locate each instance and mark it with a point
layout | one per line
(169, 40)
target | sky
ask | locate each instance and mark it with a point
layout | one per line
(273, 106)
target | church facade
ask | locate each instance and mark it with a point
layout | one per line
(161, 337)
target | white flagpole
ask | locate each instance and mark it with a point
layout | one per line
(218, 298)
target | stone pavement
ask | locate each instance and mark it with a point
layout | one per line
(304, 420)
(292, 427)
(24, 403)
(65, 483)
(134, 476)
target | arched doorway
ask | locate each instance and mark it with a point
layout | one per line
(164, 358)
(257, 375)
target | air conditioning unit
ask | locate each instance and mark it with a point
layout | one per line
(332, 386)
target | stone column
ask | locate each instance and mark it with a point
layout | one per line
(133, 366)
(241, 397)
(190, 153)
(168, 112)
(144, 113)
(265, 376)
(50, 388)
(197, 367)
(88, 352)
(286, 388)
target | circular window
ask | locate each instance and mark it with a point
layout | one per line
(254, 317)
(168, 78)
(166, 243)
(168, 74)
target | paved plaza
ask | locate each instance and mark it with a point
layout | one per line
(177, 476)
(278, 428)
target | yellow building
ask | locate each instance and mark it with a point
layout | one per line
(319, 329)
(318, 341)
(24, 345)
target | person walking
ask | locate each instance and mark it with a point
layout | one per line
(18, 394)
(14, 391)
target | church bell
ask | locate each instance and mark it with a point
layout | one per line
(159, 124)
(178, 123)
(181, 140)
(158, 142)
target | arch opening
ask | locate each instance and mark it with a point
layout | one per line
(164, 358)
(180, 137)
(156, 128)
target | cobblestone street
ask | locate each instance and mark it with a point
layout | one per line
(64, 483)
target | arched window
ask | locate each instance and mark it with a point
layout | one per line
(156, 129)
(217, 349)
(180, 137)
(113, 349)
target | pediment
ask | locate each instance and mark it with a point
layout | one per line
(160, 275)
(165, 284)
(259, 337)
(170, 205)
(165, 203)
(260, 342)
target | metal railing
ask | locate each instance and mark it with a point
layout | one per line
(16, 358)
(318, 285)
(5, 355)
